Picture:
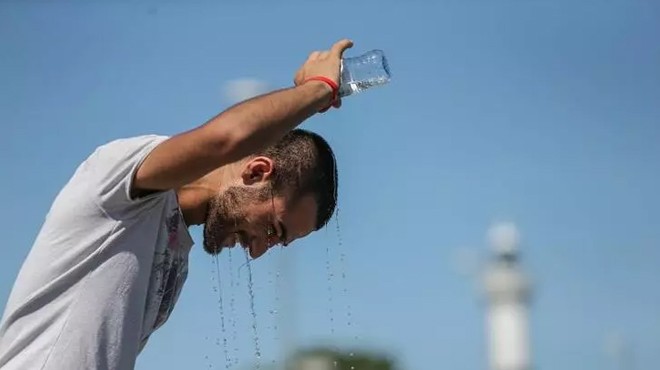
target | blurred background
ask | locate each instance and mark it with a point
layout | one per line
(496, 203)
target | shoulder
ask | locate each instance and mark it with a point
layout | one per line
(129, 146)
(112, 166)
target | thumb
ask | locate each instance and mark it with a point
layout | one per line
(340, 46)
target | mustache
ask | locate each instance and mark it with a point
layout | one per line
(213, 240)
(242, 239)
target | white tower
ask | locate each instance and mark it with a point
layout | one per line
(507, 290)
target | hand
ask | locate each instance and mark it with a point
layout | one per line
(324, 63)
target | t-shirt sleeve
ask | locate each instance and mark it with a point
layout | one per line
(110, 171)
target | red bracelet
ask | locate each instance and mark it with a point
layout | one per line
(333, 85)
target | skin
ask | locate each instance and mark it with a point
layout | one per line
(256, 224)
(219, 181)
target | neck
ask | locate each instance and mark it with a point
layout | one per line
(194, 198)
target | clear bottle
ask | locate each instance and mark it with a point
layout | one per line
(362, 72)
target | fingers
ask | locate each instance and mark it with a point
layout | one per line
(340, 46)
(318, 55)
(297, 79)
(324, 63)
(336, 50)
(336, 104)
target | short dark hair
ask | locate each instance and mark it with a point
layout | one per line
(305, 164)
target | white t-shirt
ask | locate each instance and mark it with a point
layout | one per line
(104, 272)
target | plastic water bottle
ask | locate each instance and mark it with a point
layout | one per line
(362, 72)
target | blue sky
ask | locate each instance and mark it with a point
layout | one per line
(544, 113)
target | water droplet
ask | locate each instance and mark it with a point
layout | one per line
(342, 262)
(218, 290)
(273, 312)
(329, 273)
(232, 283)
(257, 350)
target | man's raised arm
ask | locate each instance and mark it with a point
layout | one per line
(242, 129)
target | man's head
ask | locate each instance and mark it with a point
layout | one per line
(281, 194)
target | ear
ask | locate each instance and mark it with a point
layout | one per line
(256, 170)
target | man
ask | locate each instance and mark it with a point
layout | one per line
(110, 260)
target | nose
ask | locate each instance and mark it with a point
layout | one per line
(260, 247)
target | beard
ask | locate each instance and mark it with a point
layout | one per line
(225, 214)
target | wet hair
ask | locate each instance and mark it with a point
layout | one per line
(305, 164)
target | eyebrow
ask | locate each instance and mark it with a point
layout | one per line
(283, 237)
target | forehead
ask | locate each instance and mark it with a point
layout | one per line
(299, 217)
